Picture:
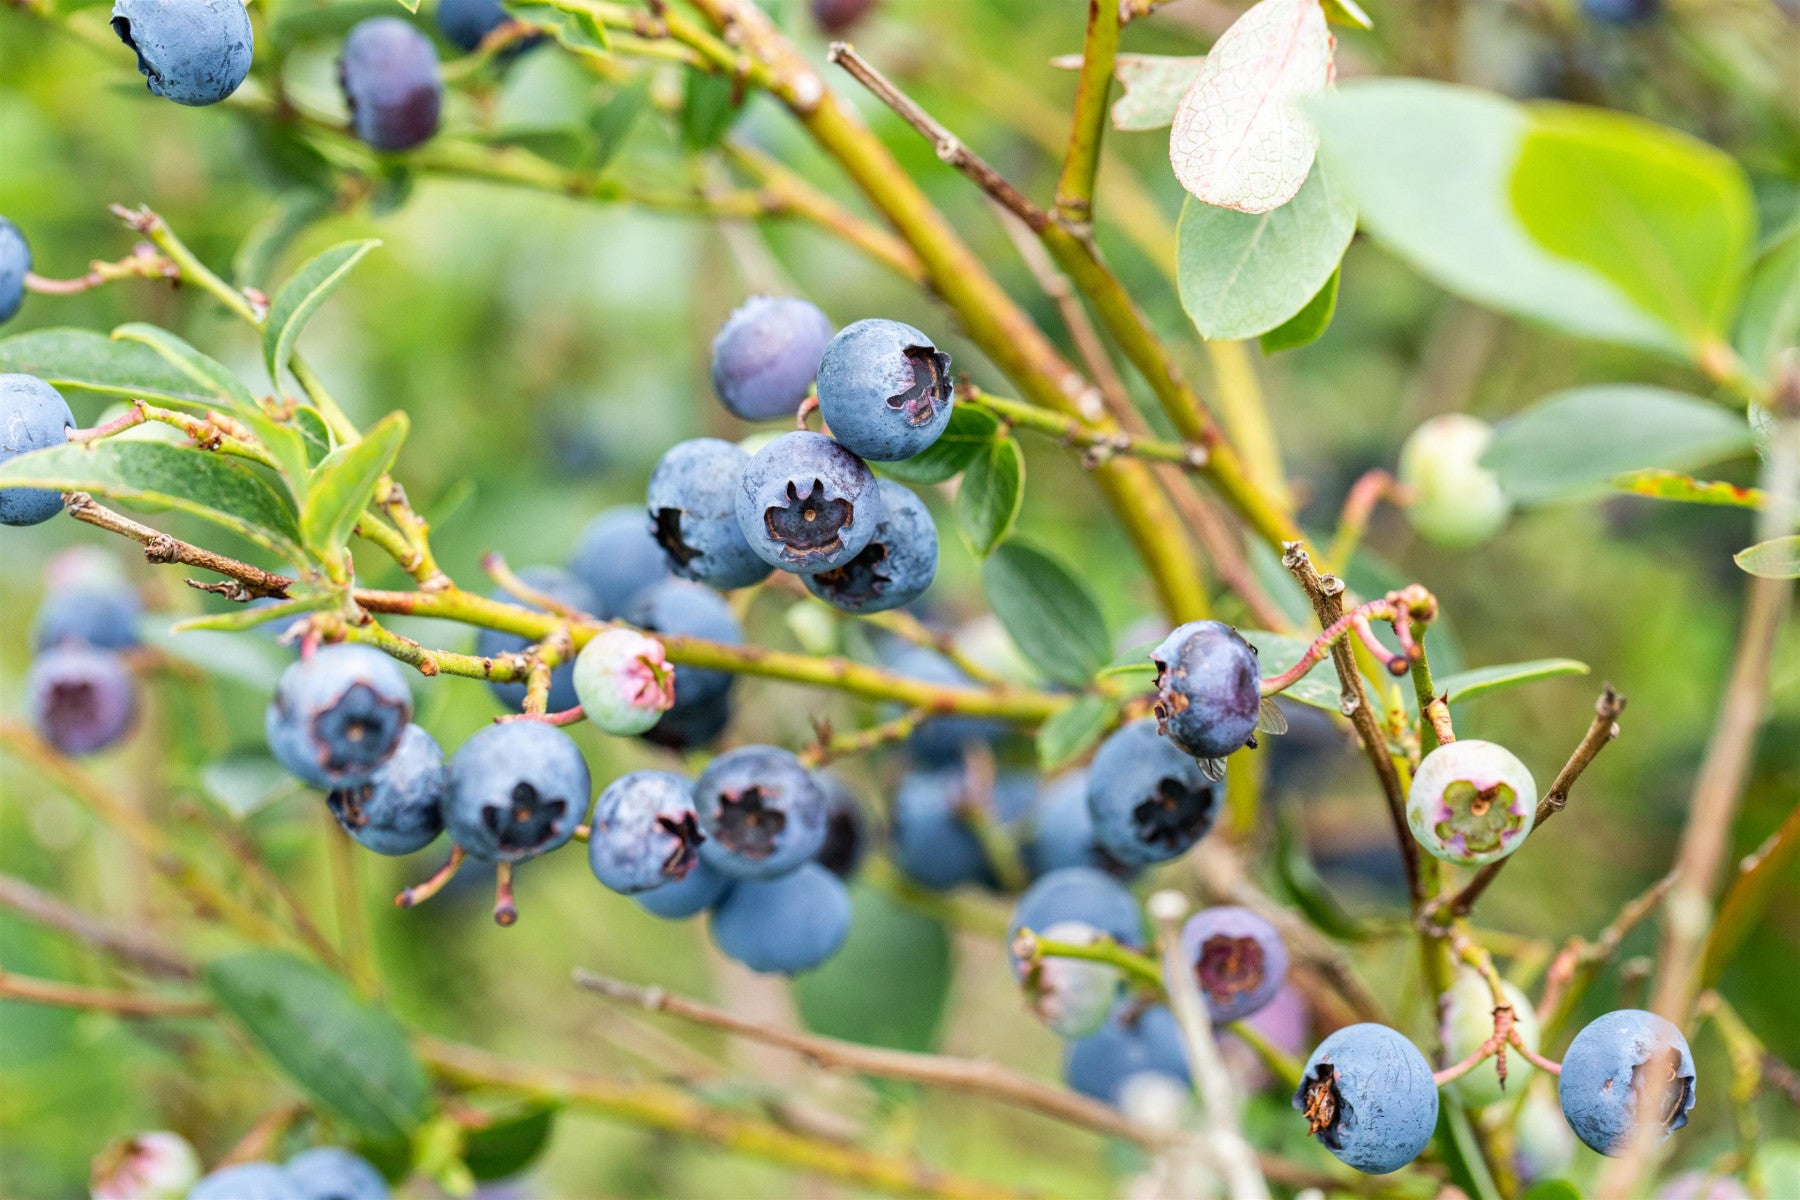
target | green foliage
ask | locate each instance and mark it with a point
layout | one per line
(344, 483)
(1467, 685)
(969, 434)
(888, 985)
(300, 297)
(1309, 324)
(1075, 730)
(1050, 614)
(1277, 652)
(89, 361)
(1777, 558)
(992, 492)
(510, 1142)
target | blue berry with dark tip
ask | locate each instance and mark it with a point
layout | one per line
(1616, 1066)
(885, 390)
(684, 609)
(517, 790)
(702, 888)
(788, 924)
(193, 52)
(940, 741)
(330, 1173)
(338, 715)
(1060, 830)
(617, 557)
(81, 700)
(1081, 894)
(763, 813)
(766, 356)
(1208, 688)
(15, 264)
(389, 73)
(1136, 1039)
(806, 504)
(934, 844)
(692, 500)
(464, 23)
(1149, 801)
(401, 808)
(90, 615)
(559, 585)
(644, 832)
(1238, 960)
(895, 568)
(1369, 1098)
(248, 1181)
(847, 832)
(33, 416)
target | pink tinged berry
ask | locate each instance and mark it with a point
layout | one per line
(624, 681)
(149, 1166)
(1471, 802)
(1071, 996)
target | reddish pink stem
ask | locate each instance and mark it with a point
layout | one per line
(568, 716)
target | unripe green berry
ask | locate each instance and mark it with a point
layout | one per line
(1471, 802)
(1457, 502)
(624, 681)
(1467, 1020)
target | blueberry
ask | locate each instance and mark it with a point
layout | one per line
(702, 888)
(338, 715)
(464, 23)
(190, 51)
(1621, 12)
(1617, 1062)
(1135, 1040)
(681, 609)
(81, 700)
(1060, 831)
(847, 833)
(328, 1173)
(789, 924)
(693, 506)
(691, 726)
(1457, 502)
(1149, 800)
(939, 742)
(762, 813)
(1079, 894)
(1465, 1021)
(517, 790)
(933, 844)
(104, 618)
(559, 585)
(15, 264)
(389, 73)
(1208, 688)
(1237, 957)
(766, 356)
(400, 809)
(1369, 1098)
(33, 416)
(645, 833)
(617, 557)
(1071, 996)
(806, 504)
(1471, 802)
(895, 568)
(147, 1166)
(885, 390)
(624, 681)
(835, 17)
(247, 1181)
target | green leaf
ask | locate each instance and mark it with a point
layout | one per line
(1664, 216)
(1777, 558)
(212, 377)
(1759, 876)
(970, 431)
(293, 213)
(1571, 444)
(888, 985)
(1673, 485)
(1429, 167)
(314, 432)
(711, 104)
(1460, 1151)
(301, 296)
(343, 484)
(81, 358)
(1279, 651)
(1069, 734)
(351, 1057)
(1769, 321)
(1307, 325)
(1244, 274)
(1466, 685)
(220, 489)
(992, 492)
(1052, 617)
(510, 1143)
(573, 25)
(611, 123)
(411, 6)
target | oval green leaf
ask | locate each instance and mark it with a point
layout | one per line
(1777, 558)
(1069, 734)
(1673, 485)
(93, 362)
(1466, 685)
(1049, 613)
(211, 376)
(301, 296)
(1276, 652)
(992, 492)
(1307, 325)
(1769, 321)
(343, 484)
(967, 435)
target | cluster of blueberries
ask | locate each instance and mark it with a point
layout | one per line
(80, 691)
(322, 1173)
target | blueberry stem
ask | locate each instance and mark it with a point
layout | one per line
(1359, 506)
(1087, 126)
(416, 895)
(142, 263)
(1141, 969)
(30, 990)
(1409, 606)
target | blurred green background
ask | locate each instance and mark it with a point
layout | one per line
(549, 349)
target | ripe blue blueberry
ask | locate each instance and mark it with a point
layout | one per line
(702, 888)
(885, 390)
(691, 726)
(1148, 799)
(559, 585)
(1207, 688)
(1616, 1066)
(400, 809)
(1135, 1040)
(806, 504)
(766, 356)
(847, 832)
(939, 742)
(81, 700)
(933, 842)
(683, 609)
(791, 923)
(1369, 1098)
(330, 1173)
(15, 264)
(1621, 12)
(1471, 802)
(33, 416)
(763, 813)
(895, 568)
(1060, 830)
(1237, 957)
(464, 23)
(645, 833)
(389, 73)
(248, 1181)
(1081, 894)
(338, 715)
(617, 557)
(102, 617)
(189, 51)
(692, 500)
(517, 790)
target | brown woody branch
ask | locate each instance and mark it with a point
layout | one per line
(252, 582)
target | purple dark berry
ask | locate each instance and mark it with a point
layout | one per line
(885, 390)
(103, 617)
(618, 558)
(934, 842)
(645, 833)
(464, 23)
(15, 264)
(193, 52)
(1136, 1039)
(389, 73)
(806, 504)
(1621, 12)
(788, 924)
(762, 813)
(836, 17)
(400, 809)
(766, 356)
(692, 500)
(1207, 689)
(895, 568)
(559, 585)
(1369, 1098)
(847, 833)
(1060, 831)
(1148, 798)
(940, 741)
(517, 790)
(33, 416)
(1625, 1067)
(81, 700)
(702, 888)
(1238, 960)
(338, 715)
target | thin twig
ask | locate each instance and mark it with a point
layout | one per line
(120, 1004)
(128, 944)
(253, 582)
